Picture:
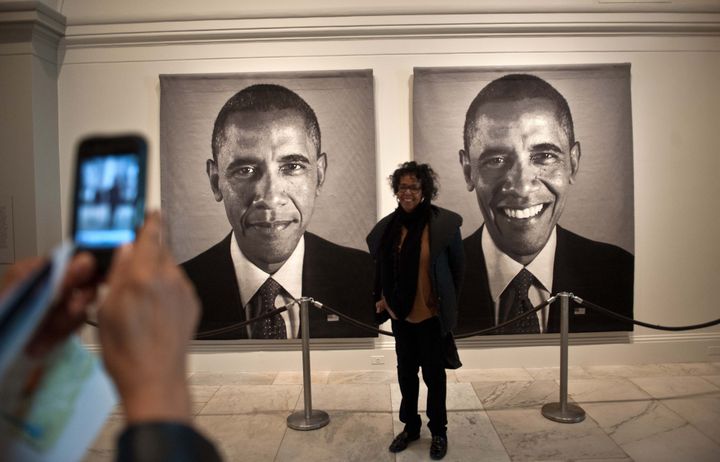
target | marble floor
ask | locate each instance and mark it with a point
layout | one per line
(653, 412)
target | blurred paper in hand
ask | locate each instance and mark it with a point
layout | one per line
(51, 408)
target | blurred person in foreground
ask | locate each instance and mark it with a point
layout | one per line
(145, 324)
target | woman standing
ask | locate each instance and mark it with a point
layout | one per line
(419, 262)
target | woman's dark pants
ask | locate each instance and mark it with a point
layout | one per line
(420, 346)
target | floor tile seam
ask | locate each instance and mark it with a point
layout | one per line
(581, 459)
(701, 394)
(387, 382)
(486, 380)
(708, 436)
(636, 386)
(199, 411)
(477, 396)
(249, 413)
(705, 378)
(483, 407)
(604, 378)
(611, 430)
(249, 384)
(206, 402)
(657, 402)
(499, 437)
(282, 440)
(422, 410)
(519, 405)
(359, 382)
(694, 374)
(575, 368)
(532, 407)
(612, 401)
(630, 379)
(706, 394)
(689, 425)
(291, 411)
(687, 422)
(630, 375)
(588, 416)
(225, 385)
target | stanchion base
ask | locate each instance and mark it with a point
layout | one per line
(318, 419)
(572, 414)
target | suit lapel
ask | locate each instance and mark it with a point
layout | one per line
(315, 282)
(476, 308)
(232, 309)
(563, 280)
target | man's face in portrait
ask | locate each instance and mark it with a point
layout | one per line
(520, 163)
(267, 174)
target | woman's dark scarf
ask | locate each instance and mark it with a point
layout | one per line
(399, 266)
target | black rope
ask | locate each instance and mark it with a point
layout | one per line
(612, 314)
(508, 322)
(239, 325)
(348, 319)
(352, 321)
(231, 327)
(370, 328)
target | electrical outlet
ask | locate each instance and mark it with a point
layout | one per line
(377, 360)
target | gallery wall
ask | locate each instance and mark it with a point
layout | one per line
(110, 60)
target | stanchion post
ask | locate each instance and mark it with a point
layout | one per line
(308, 419)
(562, 411)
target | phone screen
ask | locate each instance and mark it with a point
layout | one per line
(110, 199)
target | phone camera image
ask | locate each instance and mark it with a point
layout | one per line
(107, 201)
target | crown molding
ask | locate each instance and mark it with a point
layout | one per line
(393, 26)
(88, 12)
(30, 27)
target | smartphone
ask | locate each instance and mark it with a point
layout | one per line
(109, 198)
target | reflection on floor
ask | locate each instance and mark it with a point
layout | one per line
(652, 412)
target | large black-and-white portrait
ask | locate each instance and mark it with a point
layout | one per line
(268, 187)
(539, 162)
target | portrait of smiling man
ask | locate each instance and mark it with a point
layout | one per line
(521, 159)
(267, 170)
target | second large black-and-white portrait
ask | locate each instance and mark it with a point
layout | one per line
(268, 188)
(539, 163)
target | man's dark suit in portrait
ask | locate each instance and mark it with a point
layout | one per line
(520, 156)
(267, 169)
(215, 281)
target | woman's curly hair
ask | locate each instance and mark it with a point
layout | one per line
(423, 172)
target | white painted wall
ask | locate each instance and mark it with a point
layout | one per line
(29, 158)
(108, 82)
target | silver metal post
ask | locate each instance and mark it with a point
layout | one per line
(308, 419)
(562, 411)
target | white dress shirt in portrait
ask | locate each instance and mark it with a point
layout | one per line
(250, 278)
(501, 270)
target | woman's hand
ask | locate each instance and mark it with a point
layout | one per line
(381, 305)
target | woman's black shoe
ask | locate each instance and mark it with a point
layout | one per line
(438, 447)
(401, 441)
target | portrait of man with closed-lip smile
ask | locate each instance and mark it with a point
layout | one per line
(258, 182)
(267, 175)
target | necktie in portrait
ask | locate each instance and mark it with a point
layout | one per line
(264, 302)
(514, 301)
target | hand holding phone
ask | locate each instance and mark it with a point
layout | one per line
(109, 199)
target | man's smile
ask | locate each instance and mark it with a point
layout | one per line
(271, 226)
(522, 213)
